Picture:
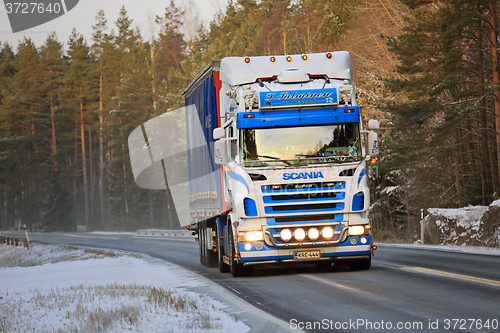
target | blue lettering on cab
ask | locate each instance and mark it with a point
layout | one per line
(302, 175)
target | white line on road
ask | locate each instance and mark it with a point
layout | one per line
(452, 275)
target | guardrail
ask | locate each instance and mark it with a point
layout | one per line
(14, 241)
(165, 233)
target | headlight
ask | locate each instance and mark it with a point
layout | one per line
(356, 230)
(327, 232)
(299, 234)
(364, 240)
(313, 233)
(248, 247)
(253, 236)
(285, 235)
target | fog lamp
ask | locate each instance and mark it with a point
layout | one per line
(327, 232)
(299, 234)
(285, 235)
(313, 233)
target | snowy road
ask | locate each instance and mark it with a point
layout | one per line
(408, 289)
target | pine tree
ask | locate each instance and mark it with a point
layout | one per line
(7, 71)
(56, 203)
(102, 49)
(168, 60)
(20, 125)
(77, 96)
(443, 58)
(134, 104)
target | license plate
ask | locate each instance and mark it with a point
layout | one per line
(306, 255)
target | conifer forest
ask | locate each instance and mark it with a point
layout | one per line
(427, 70)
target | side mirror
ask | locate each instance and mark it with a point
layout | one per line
(220, 151)
(373, 125)
(218, 133)
(373, 147)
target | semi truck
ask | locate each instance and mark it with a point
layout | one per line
(288, 156)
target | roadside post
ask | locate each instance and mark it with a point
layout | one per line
(421, 226)
(27, 237)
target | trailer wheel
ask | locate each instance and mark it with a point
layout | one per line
(201, 242)
(235, 268)
(207, 258)
(223, 268)
(211, 256)
(360, 264)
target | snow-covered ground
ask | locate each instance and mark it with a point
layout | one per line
(69, 289)
(451, 248)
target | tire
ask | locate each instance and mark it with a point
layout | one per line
(360, 264)
(207, 258)
(236, 269)
(201, 242)
(323, 264)
(211, 257)
(223, 268)
(340, 263)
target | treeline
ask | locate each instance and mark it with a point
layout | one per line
(443, 148)
(66, 110)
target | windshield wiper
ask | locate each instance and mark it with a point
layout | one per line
(314, 155)
(339, 158)
(275, 158)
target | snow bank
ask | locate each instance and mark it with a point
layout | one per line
(472, 225)
(67, 289)
(451, 248)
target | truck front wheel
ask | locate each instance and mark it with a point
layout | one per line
(360, 264)
(235, 268)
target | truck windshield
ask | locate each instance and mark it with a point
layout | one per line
(333, 143)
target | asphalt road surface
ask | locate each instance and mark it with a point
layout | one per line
(405, 290)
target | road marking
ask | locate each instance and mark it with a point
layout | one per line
(452, 275)
(236, 291)
(337, 285)
(81, 236)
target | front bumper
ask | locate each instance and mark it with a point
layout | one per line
(351, 248)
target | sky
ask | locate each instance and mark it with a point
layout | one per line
(82, 17)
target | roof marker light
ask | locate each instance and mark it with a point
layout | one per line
(304, 57)
(329, 55)
(273, 59)
(288, 58)
(247, 60)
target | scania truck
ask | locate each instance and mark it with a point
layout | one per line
(289, 154)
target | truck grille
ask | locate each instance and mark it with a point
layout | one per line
(309, 218)
(303, 198)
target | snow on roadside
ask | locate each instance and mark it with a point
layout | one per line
(451, 248)
(68, 289)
